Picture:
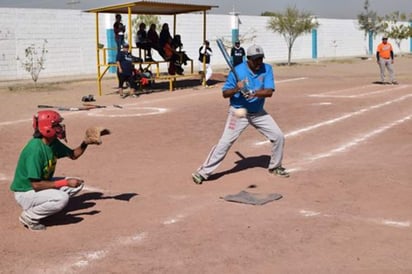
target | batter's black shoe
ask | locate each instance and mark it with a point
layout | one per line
(279, 171)
(32, 225)
(197, 178)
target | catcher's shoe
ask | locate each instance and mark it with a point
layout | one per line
(30, 224)
(279, 171)
(197, 178)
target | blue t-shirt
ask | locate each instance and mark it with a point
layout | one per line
(263, 79)
(126, 62)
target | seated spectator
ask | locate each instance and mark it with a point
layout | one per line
(153, 37)
(172, 55)
(143, 42)
(164, 36)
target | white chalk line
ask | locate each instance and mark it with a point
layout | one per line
(339, 119)
(84, 259)
(379, 221)
(141, 111)
(344, 147)
(291, 80)
(8, 123)
(359, 140)
(328, 95)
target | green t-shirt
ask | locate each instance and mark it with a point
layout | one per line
(37, 161)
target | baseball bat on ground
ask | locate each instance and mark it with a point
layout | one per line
(67, 108)
(93, 105)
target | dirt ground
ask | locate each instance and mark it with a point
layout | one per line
(345, 209)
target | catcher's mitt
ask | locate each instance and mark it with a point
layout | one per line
(93, 135)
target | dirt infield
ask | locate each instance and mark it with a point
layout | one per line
(345, 209)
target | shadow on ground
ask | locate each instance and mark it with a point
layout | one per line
(81, 202)
(244, 163)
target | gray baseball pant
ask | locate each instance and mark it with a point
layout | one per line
(262, 121)
(40, 204)
(386, 64)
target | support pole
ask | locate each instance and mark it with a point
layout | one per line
(370, 36)
(234, 23)
(314, 43)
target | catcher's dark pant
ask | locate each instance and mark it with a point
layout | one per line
(129, 79)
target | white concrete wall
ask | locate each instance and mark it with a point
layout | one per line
(71, 39)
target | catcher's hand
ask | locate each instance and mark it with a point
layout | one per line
(93, 135)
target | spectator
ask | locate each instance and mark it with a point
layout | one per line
(119, 30)
(143, 42)
(385, 60)
(174, 57)
(237, 53)
(205, 52)
(154, 40)
(164, 36)
(125, 68)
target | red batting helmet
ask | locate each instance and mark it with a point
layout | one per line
(47, 122)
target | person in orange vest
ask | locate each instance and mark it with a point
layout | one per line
(385, 60)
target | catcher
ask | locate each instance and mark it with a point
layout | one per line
(35, 189)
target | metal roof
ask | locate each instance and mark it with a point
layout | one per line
(152, 7)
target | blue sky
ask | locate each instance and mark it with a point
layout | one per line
(346, 9)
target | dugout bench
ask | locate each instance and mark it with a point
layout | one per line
(148, 65)
(146, 8)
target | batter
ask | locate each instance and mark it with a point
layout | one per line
(257, 83)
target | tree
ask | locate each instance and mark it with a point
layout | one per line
(34, 62)
(369, 21)
(291, 24)
(394, 30)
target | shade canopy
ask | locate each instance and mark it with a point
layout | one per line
(152, 7)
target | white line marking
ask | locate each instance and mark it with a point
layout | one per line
(170, 221)
(341, 118)
(358, 140)
(395, 223)
(3, 177)
(386, 222)
(8, 123)
(357, 88)
(358, 94)
(322, 104)
(144, 111)
(309, 213)
(84, 259)
(291, 80)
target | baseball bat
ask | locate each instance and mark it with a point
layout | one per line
(227, 58)
(93, 105)
(229, 63)
(66, 108)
